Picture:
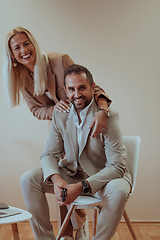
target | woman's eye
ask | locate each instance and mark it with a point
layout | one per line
(16, 48)
(26, 43)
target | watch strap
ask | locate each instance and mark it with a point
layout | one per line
(106, 111)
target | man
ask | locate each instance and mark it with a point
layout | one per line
(93, 166)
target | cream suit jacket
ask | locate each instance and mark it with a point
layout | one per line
(103, 158)
(42, 106)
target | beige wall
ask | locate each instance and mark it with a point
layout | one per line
(119, 41)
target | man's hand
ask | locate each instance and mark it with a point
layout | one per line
(99, 123)
(59, 184)
(73, 191)
(62, 106)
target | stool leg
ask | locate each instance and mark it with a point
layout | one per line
(94, 222)
(15, 231)
(65, 222)
(96, 213)
(129, 225)
(58, 214)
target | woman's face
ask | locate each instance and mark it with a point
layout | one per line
(23, 50)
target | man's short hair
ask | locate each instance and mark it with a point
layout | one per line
(78, 69)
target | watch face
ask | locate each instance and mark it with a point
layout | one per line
(85, 187)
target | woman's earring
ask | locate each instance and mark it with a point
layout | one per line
(14, 64)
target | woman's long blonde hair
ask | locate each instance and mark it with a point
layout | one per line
(15, 76)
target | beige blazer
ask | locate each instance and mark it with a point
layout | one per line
(103, 158)
(42, 106)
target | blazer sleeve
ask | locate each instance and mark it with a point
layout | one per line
(115, 152)
(52, 152)
(39, 111)
(99, 92)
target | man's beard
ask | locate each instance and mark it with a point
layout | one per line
(81, 106)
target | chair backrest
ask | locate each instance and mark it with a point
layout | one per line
(132, 144)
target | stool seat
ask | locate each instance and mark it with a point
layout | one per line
(87, 202)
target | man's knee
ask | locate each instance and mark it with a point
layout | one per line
(121, 192)
(29, 177)
(117, 190)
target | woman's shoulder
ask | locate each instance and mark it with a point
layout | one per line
(59, 60)
(55, 56)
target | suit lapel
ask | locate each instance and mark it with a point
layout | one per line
(85, 132)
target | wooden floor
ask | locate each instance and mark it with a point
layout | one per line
(144, 231)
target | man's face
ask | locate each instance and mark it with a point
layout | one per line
(78, 90)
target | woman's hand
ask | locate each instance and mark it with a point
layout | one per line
(99, 123)
(62, 106)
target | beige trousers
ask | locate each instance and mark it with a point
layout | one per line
(115, 194)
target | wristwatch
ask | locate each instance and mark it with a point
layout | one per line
(85, 187)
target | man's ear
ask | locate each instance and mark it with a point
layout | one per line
(93, 87)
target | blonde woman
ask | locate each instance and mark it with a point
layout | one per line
(38, 77)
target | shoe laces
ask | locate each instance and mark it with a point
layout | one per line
(81, 232)
(66, 238)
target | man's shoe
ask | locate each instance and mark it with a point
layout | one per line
(67, 238)
(83, 232)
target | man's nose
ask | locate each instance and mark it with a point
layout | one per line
(77, 94)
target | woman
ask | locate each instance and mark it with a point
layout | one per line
(38, 77)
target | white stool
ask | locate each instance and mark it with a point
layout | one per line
(13, 220)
